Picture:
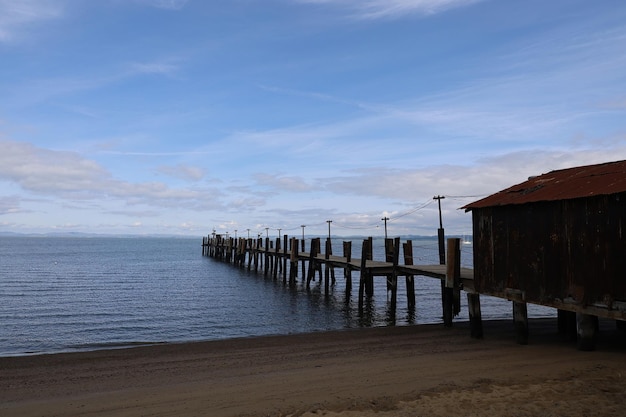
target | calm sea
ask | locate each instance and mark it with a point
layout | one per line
(70, 294)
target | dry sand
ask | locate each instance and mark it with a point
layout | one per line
(403, 371)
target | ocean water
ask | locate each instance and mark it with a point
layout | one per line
(60, 294)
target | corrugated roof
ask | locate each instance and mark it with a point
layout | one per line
(564, 184)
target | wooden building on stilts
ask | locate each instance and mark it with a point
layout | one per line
(558, 240)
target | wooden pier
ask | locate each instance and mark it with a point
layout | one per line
(281, 259)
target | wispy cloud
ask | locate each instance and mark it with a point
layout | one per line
(9, 204)
(391, 9)
(159, 68)
(39, 90)
(68, 175)
(283, 183)
(165, 4)
(183, 172)
(17, 16)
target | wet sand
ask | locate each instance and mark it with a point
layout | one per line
(424, 370)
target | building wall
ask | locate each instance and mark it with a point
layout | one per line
(553, 250)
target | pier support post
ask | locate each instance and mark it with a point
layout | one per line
(284, 268)
(394, 276)
(520, 319)
(293, 270)
(451, 293)
(566, 322)
(276, 266)
(303, 248)
(586, 329)
(363, 273)
(369, 278)
(475, 316)
(328, 250)
(347, 272)
(410, 279)
(313, 267)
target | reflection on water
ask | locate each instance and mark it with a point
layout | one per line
(61, 294)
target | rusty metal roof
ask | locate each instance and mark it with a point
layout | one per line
(564, 184)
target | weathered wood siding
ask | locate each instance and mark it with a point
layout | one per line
(553, 250)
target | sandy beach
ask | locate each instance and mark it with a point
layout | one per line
(425, 370)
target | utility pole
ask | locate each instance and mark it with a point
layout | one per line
(279, 233)
(439, 198)
(385, 220)
(302, 244)
(329, 222)
(440, 233)
(248, 233)
(442, 253)
(235, 234)
(267, 233)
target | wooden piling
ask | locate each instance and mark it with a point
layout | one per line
(293, 260)
(586, 329)
(451, 302)
(475, 316)
(520, 319)
(410, 279)
(276, 260)
(369, 278)
(363, 274)
(347, 271)
(315, 243)
(327, 267)
(394, 276)
(284, 260)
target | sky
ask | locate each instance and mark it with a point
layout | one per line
(249, 116)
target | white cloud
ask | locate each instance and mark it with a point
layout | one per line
(390, 9)
(283, 183)
(69, 176)
(9, 204)
(17, 15)
(183, 172)
(485, 176)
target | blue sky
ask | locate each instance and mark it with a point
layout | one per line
(184, 116)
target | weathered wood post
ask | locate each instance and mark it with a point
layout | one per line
(410, 279)
(363, 273)
(369, 285)
(303, 248)
(284, 267)
(520, 318)
(257, 255)
(276, 260)
(389, 258)
(394, 276)
(328, 250)
(475, 316)
(586, 329)
(566, 322)
(312, 261)
(347, 272)
(293, 270)
(452, 282)
(266, 257)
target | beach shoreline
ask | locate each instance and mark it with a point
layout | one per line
(392, 371)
